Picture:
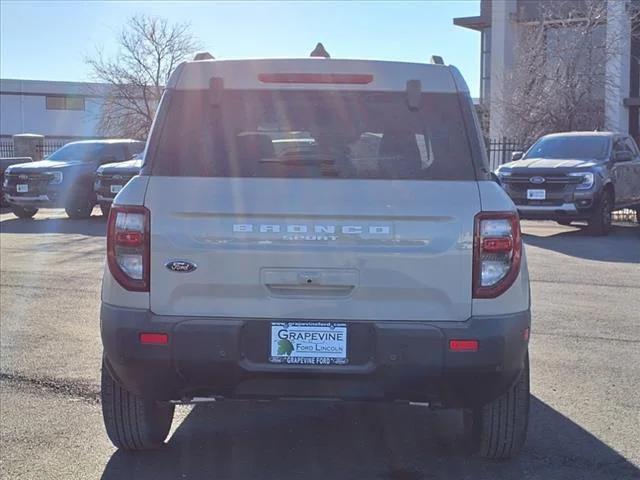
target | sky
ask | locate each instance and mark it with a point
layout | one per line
(50, 40)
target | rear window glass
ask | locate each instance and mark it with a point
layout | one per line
(581, 147)
(313, 134)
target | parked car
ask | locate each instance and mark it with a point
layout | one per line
(4, 164)
(111, 177)
(65, 178)
(575, 176)
(329, 270)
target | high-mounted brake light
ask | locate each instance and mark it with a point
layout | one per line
(323, 78)
(497, 253)
(128, 246)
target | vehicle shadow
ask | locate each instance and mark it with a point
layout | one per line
(95, 226)
(312, 440)
(621, 245)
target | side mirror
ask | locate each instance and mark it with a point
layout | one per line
(622, 156)
(108, 159)
(516, 156)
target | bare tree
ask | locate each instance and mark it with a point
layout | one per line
(559, 79)
(149, 50)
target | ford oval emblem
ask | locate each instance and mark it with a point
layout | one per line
(537, 180)
(181, 266)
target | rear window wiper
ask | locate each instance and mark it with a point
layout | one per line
(295, 158)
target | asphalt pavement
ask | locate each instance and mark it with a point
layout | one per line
(585, 361)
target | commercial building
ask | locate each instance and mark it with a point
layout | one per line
(500, 24)
(58, 110)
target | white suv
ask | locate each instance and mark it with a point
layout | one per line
(369, 256)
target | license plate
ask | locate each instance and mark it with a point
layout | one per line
(116, 188)
(313, 343)
(22, 188)
(536, 194)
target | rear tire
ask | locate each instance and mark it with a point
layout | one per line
(133, 423)
(600, 221)
(22, 212)
(500, 426)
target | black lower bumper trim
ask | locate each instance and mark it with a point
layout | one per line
(388, 360)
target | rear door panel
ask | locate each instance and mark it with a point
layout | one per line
(312, 248)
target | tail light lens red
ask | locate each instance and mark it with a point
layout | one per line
(497, 253)
(128, 246)
(463, 345)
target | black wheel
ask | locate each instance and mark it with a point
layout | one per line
(600, 221)
(23, 212)
(132, 422)
(566, 223)
(80, 206)
(500, 427)
(105, 208)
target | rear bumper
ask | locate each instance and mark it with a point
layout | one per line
(566, 211)
(564, 205)
(391, 360)
(102, 199)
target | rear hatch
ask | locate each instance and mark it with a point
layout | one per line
(315, 204)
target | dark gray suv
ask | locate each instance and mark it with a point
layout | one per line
(575, 176)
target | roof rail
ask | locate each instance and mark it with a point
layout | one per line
(436, 60)
(203, 56)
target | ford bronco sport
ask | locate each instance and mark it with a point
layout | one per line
(370, 257)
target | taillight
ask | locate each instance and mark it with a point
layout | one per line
(497, 253)
(128, 246)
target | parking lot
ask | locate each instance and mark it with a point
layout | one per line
(585, 357)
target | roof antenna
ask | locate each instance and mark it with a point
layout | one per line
(319, 51)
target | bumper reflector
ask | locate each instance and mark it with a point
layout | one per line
(463, 345)
(154, 338)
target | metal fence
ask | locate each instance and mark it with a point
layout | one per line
(6, 148)
(499, 151)
(51, 145)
